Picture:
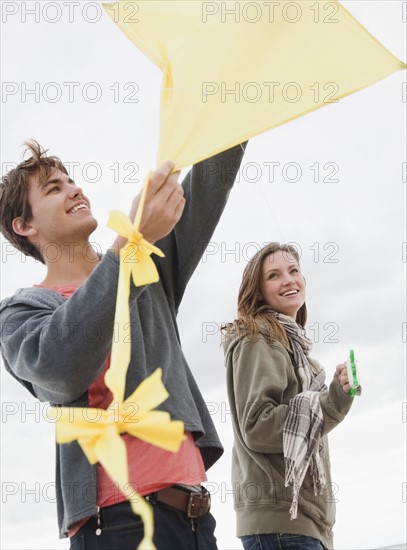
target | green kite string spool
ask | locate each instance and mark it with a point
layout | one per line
(351, 365)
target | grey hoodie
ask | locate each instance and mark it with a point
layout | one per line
(57, 348)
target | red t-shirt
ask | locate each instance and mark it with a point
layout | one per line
(150, 468)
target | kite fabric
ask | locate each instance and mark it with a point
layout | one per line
(234, 69)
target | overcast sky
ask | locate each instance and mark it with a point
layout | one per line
(349, 226)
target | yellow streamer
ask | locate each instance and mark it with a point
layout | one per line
(97, 430)
(98, 433)
(135, 263)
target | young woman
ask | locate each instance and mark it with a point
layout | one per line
(281, 410)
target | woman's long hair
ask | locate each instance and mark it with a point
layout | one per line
(252, 310)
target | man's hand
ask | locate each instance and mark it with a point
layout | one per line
(163, 206)
(342, 374)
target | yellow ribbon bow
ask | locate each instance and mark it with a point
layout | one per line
(98, 433)
(135, 256)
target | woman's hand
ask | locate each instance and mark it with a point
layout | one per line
(342, 374)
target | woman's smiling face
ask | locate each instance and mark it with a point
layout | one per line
(282, 285)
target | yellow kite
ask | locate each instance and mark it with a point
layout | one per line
(233, 69)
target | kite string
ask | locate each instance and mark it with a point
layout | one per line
(338, 351)
(140, 207)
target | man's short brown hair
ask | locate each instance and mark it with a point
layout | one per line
(14, 194)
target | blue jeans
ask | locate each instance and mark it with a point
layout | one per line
(121, 529)
(283, 541)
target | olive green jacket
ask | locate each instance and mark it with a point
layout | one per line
(261, 380)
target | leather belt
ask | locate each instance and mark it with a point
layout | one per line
(193, 503)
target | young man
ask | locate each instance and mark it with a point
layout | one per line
(48, 341)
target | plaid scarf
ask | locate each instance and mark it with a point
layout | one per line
(302, 443)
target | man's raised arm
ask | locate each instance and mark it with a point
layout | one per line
(206, 190)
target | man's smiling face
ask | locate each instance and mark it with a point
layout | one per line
(60, 211)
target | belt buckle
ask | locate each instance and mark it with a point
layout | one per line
(204, 508)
